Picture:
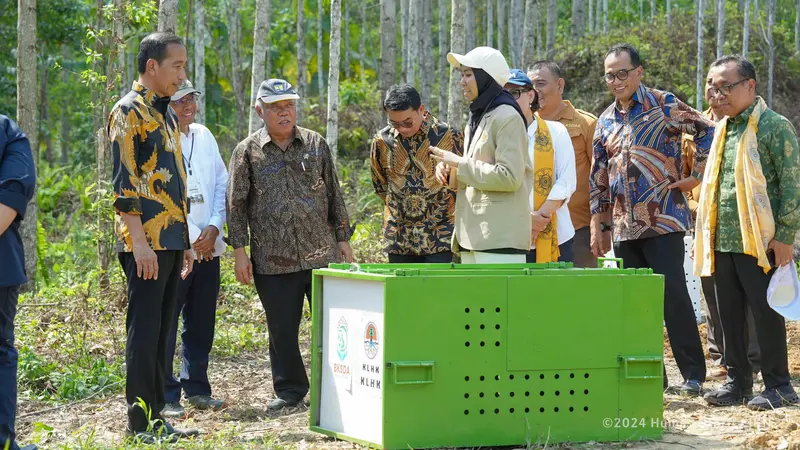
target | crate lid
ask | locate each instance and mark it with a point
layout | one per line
(452, 269)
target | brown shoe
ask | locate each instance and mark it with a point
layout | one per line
(718, 373)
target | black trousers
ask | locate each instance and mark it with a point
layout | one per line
(282, 297)
(715, 340)
(197, 304)
(443, 257)
(741, 283)
(664, 254)
(582, 249)
(8, 366)
(151, 307)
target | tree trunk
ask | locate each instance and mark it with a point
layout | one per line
(517, 22)
(641, 11)
(346, 39)
(320, 68)
(332, 135)
(755, 10)
(186, 41)
(200, 58)
(119, 39)
(234, 27)
(470, 24)
(426, 61)
(44, 114)
(700, 64)
(652, 11)
(797, 28)
(489, 23)
(168, 15)
(771, 6)
(26, 118)
(301, 59)
(720, 28)
(456, 111)
(591, 16)
(412, 42)
(605, 16)
(669, 13)
(442, 59)
(540, 38)
(552, 17)
(501, 24)
(403, 40)
(577, 19)
(388, 48)
(528, 28)
(260, 46)
(746, 28)
(362, 42)
(64, 138)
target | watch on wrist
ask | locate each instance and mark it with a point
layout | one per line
(604, 227)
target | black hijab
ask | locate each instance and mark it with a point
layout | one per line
(490, 96)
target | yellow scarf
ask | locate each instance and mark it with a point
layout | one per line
(755, 213)
(543, 164)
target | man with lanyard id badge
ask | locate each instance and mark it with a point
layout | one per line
(207, 180)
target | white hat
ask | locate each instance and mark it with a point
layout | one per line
(185, 89)
(486, 58)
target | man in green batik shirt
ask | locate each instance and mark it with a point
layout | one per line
(740, 280)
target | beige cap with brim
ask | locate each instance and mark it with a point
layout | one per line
(185, 89)
(487, 59)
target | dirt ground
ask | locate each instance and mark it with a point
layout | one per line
(244, 381)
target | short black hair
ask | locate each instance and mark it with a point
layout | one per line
(636, 60)
(552, 66)
(401, 98)
(746, 69)
(154, 46)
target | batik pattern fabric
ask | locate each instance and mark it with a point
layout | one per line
(148, 174)
(418, 209)
(637, 155)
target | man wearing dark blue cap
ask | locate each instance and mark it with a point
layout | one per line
(285, 202)
(17, 182)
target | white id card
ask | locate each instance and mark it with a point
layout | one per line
(195, 193)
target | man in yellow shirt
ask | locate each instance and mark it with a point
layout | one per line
(549, 82)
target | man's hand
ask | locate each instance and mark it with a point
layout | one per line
(146, 260)
(539, 221)
(243, 267)
(450, 159)
(205, 243)
(188, 264)
(600, 240)
(347, 252)
(442, 173)
(783, 252)
(685, 184)
(534, 236)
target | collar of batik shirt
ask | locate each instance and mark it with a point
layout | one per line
(150, 97)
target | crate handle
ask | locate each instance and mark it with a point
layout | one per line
(600, 262)
(641, 359)
(407, 364)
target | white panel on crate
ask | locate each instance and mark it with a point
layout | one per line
(352, 358)
(692, 282)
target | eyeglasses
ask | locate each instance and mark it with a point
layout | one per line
(620, 75)
(186, 100)
(517, 93)
(724, 90)
(408, 123)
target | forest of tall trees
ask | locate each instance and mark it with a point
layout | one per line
(76, 66)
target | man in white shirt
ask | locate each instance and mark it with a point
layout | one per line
(206, 186)
(564, 182)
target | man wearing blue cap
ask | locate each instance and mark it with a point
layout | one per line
(285, 202)
(553, 157)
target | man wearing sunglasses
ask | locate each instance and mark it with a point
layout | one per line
(748, 215)
(206, 181)
(636, 178)
(418, 216)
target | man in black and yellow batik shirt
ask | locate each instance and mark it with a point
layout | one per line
(748, 215)
(150, 200)
(418, 213)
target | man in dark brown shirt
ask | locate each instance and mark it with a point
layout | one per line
(283, 187)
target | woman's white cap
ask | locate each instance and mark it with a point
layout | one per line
(486, 58)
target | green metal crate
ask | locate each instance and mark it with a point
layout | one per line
(447, 355)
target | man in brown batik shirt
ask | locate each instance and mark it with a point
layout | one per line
(283, 187)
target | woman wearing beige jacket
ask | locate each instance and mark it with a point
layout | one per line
(495, 175)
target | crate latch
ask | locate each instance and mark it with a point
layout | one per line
(630, 360)
(411, 372)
